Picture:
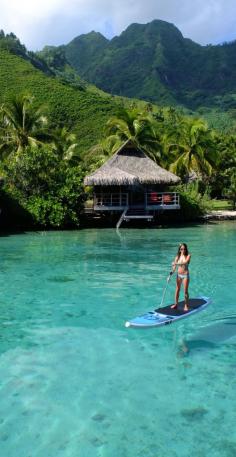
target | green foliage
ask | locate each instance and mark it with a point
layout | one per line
(46, 186)
(85, 50)
(221, 178)
(65, 144)
(221, 205)
(184, 145)
(193, 203)
(12, 44)
(195, 149)
(56, 61)
(85, 112)
(230, 191)
(21, 125)
(135, 125)
(53, 56)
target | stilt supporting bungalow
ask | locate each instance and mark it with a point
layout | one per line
(133, 185)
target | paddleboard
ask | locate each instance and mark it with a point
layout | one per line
(168, 315)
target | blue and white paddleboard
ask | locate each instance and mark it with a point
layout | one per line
(168, 315)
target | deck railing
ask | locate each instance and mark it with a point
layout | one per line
(151, 200)
(111, 200)
(163, 199)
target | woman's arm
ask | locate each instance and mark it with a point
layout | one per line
(186, 262)
(174, 263)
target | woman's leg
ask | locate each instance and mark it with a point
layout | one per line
(186, 296)
(177, 290)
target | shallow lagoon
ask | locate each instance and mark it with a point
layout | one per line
(74, 382)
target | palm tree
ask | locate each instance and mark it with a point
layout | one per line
(195, 152)
(230, 192)
(21, 125)
(65, 143)
(139, 127)
(98, 154)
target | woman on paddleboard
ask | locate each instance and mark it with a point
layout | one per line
(181, 262)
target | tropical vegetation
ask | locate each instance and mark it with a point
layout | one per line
(202, 157)
(46, 187)
(21, 125)
(55, 128)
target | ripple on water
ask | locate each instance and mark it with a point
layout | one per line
(74, 381)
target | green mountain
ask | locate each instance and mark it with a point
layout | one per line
(155, 62)
(68, 100)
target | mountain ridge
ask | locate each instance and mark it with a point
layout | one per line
(156, 63)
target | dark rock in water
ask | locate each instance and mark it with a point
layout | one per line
(63, 446)
(155, 345)
(61, 279)
(194, 414)
(4, 437)
(96, 442)
(228, 448)
(82, 313)
(99, 417)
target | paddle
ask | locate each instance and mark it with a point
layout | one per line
(164, 291)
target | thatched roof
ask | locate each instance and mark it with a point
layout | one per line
(130, 166)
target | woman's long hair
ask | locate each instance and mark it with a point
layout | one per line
(185, 250)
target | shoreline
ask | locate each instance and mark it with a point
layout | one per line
(215, 215)
(222, 215)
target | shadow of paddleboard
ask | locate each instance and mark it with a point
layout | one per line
(209, 337)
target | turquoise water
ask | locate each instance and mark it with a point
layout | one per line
(74, 382)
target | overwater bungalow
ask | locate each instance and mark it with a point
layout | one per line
(132, 184)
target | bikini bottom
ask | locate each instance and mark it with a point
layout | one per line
(183, 276)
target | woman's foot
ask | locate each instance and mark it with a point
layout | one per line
(174, 306)
(186, 308)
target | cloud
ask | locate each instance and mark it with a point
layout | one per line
(59, 21)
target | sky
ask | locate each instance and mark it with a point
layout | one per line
(55, 22)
